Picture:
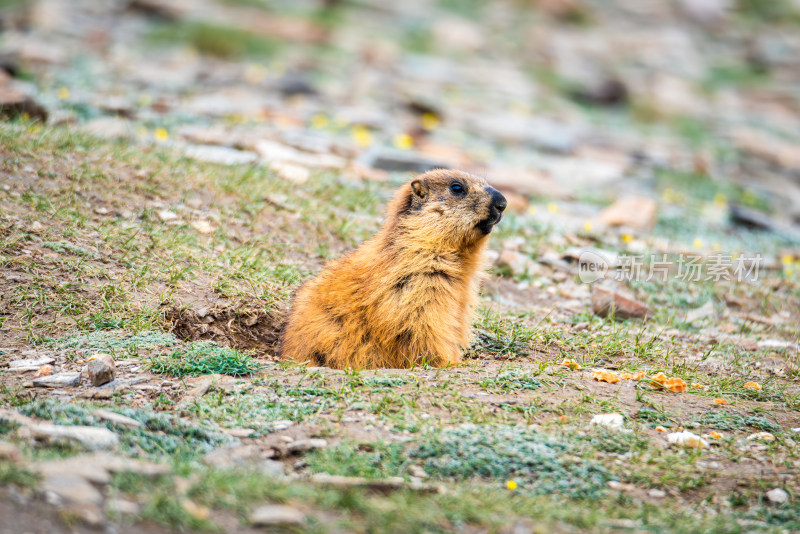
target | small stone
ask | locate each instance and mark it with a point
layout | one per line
(204, 227)
(274, 515)
(117, 419)
(101, 369)
(632, 212)
(777, 496)
(416, 471)
(303, 445)
(657, 493)
(29, 364)
(36, 227)
(518, 263)
(605, 301)
(761, 436)
(291, 172)
(45, 370)
(687, 439)
(89, 437)
(58, 380)
(609, 420)
(166, 215)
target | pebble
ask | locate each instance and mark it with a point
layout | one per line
(657, 493)
(777, 496)
(273, 515)
(58, 380)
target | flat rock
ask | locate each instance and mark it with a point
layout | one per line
(606, 301)
(71, 488)
(89, 437)
(220, 154)
(273, 515)
(78, 465)
(117, 419)
(400, 161)
(29, 364)
(59, 380)
(631, 212)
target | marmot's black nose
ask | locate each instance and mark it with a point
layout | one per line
(498, 200)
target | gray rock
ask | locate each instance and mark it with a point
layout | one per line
(81, 466)
(116, 418)
(29, 364)
(101, 369)
(777, 496)
(89, 437)
(272, 515)
(58, 380)
(220, 154)
(75, 494)
(400, 161)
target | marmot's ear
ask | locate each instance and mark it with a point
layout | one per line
(420, 189)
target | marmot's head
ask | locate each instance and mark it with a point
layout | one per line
(448, 206)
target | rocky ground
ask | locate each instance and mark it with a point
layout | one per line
(171, 171)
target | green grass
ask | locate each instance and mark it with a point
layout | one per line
(204, 358)
(161, 436)
(11, 473)
(215, 40)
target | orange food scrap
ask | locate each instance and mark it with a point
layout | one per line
(720, 401)
(753, 385)
(676, 385)
(572, 364)
(633, 376)
(605, 376)
(660, 429)
(716, 435)
(562, 419)
(660, 378)
(698, 386)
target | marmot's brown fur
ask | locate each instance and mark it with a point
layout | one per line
(406, 296)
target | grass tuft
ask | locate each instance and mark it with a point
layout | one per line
(205, 358)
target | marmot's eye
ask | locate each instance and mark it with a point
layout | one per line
(457, 189)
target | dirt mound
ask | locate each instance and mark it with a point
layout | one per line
(256, 330)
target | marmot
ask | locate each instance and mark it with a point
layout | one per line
(404, 297)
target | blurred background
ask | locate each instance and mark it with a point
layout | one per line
(675, 122)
